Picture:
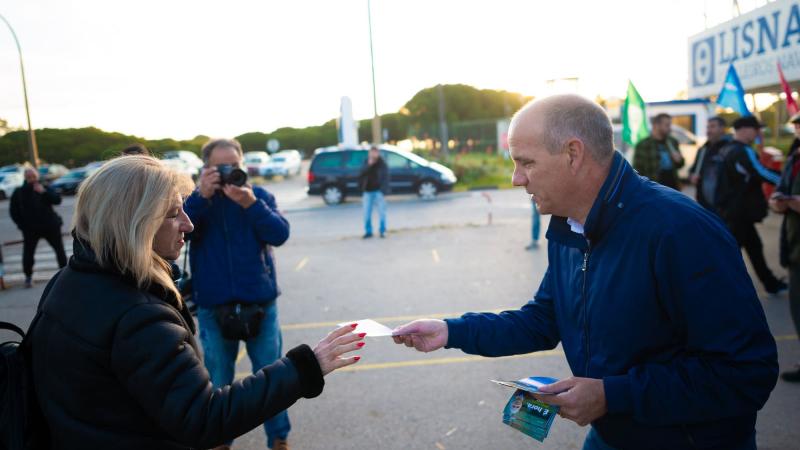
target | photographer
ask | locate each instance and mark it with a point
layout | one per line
(234, 283)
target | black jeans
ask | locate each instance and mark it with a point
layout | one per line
(31, 238)
(747, 236)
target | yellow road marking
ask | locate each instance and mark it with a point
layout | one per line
(433, 362)
(453, 360)
(301, 264)
(435, 256)
(393, 319)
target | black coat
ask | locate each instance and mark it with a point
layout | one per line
(118, 367)
(380, 171)
(32, 211)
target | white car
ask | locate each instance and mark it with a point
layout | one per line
(256, 163)
(284, 163)
(192, 160)
(9, 181)
(181, 166)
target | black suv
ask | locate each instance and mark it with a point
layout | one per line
(333, 174)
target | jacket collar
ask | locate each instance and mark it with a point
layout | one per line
(84, 259)
(606, 208)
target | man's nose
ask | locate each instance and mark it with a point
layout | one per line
(519, 179)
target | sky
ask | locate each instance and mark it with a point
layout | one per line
(176, 68)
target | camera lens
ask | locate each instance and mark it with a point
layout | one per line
(237, 177)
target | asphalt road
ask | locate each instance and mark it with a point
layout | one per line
(440, 259)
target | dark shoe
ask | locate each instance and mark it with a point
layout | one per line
(779, 287)
(366, 236)
(792, 376)
(533, 245)
(28, 282)
(281, 444)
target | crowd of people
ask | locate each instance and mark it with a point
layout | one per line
(662, 328)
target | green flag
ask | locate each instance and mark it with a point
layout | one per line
(634, 118)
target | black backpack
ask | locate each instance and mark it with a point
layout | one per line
(22, 426)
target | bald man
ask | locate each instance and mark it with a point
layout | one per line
(646, 291)
(31, 210)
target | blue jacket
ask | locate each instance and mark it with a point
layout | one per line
(655, 300)
(229, 254)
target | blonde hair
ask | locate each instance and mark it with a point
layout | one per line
(120, 208)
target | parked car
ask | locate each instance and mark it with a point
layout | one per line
(256, 163)
(284, 163)
(11, 168)
(334, 174)
(191, 159)
(182, 167)
(68, 184)
(9, 181)
(51, 172)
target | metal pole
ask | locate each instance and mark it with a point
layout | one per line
(376, 120)
(445, 139)
(34, 150)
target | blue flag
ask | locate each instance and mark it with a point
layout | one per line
(732, 93)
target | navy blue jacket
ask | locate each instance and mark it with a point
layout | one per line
(229, 254)
(655, 300)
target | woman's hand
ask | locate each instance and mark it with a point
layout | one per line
(336, 344)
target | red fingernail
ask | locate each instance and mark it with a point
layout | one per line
(356, 358)
(361, 344)
(353, 325)
(362, 334)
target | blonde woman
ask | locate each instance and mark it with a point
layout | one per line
(114, 358)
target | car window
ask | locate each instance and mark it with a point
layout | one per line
(2, 177)
(327, 160)
(395, 161)
(356, 159)
(278, 159)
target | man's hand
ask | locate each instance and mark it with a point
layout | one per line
(582, 400)
(37, 187)
(244, 195)
(209, 182)
(425, 335)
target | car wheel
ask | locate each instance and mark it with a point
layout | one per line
(427, 190)
(332, 195)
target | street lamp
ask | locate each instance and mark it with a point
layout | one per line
(34, 151)
(376, 119)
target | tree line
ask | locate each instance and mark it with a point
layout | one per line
(418, 117)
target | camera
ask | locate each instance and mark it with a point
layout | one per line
(229, 174)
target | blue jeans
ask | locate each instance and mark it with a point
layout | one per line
(369, 199)
(220, 358)
(537, 225)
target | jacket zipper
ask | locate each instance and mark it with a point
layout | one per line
(585, 306)
(227, 248)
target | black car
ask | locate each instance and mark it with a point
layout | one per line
(68, 184)
(333, 174)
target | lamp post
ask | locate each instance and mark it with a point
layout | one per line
(34, 150)
(376, 119)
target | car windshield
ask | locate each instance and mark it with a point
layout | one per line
(413, 157)
(253, 160)
(80, 174)
(278, 159)
(2, 177)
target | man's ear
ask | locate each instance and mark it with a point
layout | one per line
(576, 154)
